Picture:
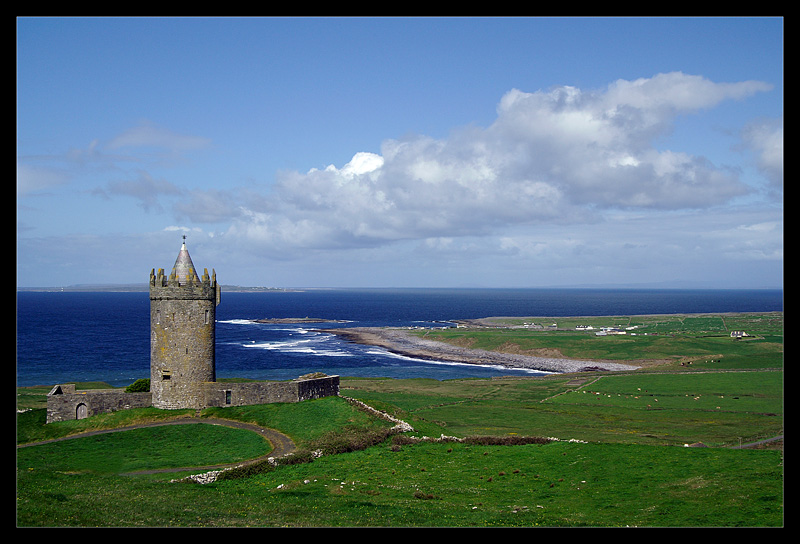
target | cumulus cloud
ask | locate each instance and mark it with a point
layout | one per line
(557, 156)
(597, 147)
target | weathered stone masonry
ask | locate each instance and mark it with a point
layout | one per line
(182, 358)
(64, 403)
(248, 393)
(182, 334)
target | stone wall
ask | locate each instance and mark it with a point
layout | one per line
(65, 403)
(249, 393)
(315, 388)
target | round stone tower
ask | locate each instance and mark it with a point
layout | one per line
(182, 334)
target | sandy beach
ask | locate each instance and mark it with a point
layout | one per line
(400, 341)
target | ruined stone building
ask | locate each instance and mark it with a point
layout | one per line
(182, 357)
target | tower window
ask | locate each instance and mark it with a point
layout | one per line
(207, 316)
(166, 375)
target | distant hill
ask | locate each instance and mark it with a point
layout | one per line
(141, 288)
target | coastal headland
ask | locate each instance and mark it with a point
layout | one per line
(402, 342)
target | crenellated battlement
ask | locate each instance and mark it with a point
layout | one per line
(183, 282)
(160, 279)
(189, 287)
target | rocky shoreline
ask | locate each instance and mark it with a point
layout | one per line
(403, 343)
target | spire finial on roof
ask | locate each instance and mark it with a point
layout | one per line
(184, 268)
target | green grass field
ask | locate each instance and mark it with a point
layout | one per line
(618, 458)
(705, 340)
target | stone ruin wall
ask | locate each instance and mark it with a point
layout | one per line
(249, 393)
(64, 402)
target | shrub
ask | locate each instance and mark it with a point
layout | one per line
(346, 440)
(296, 458)
(505, 440)
(247, 470)
(139, 386)
(350, 439)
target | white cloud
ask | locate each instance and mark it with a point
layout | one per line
(213, 206)
(559, 156)
(678, 92)
(34, 179)
(149, 135)
(362, 163)
(765, 139)
(144, 189)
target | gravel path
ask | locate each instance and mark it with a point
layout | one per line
(402, 342)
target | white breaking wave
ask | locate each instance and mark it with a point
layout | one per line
(310, 346)
(238, 322)
(303, 341)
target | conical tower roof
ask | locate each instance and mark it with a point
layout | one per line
(184, 267)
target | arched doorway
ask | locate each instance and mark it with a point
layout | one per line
(80, 411)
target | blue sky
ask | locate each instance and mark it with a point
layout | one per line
(402, 152)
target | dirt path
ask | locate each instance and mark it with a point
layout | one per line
(282, 445)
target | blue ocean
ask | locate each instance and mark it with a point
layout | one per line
(104, 336)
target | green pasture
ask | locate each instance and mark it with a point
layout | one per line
(770, 323)
(703, 341)
(156, 448)
(715, 408)
(745, 393)
(421, 485)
